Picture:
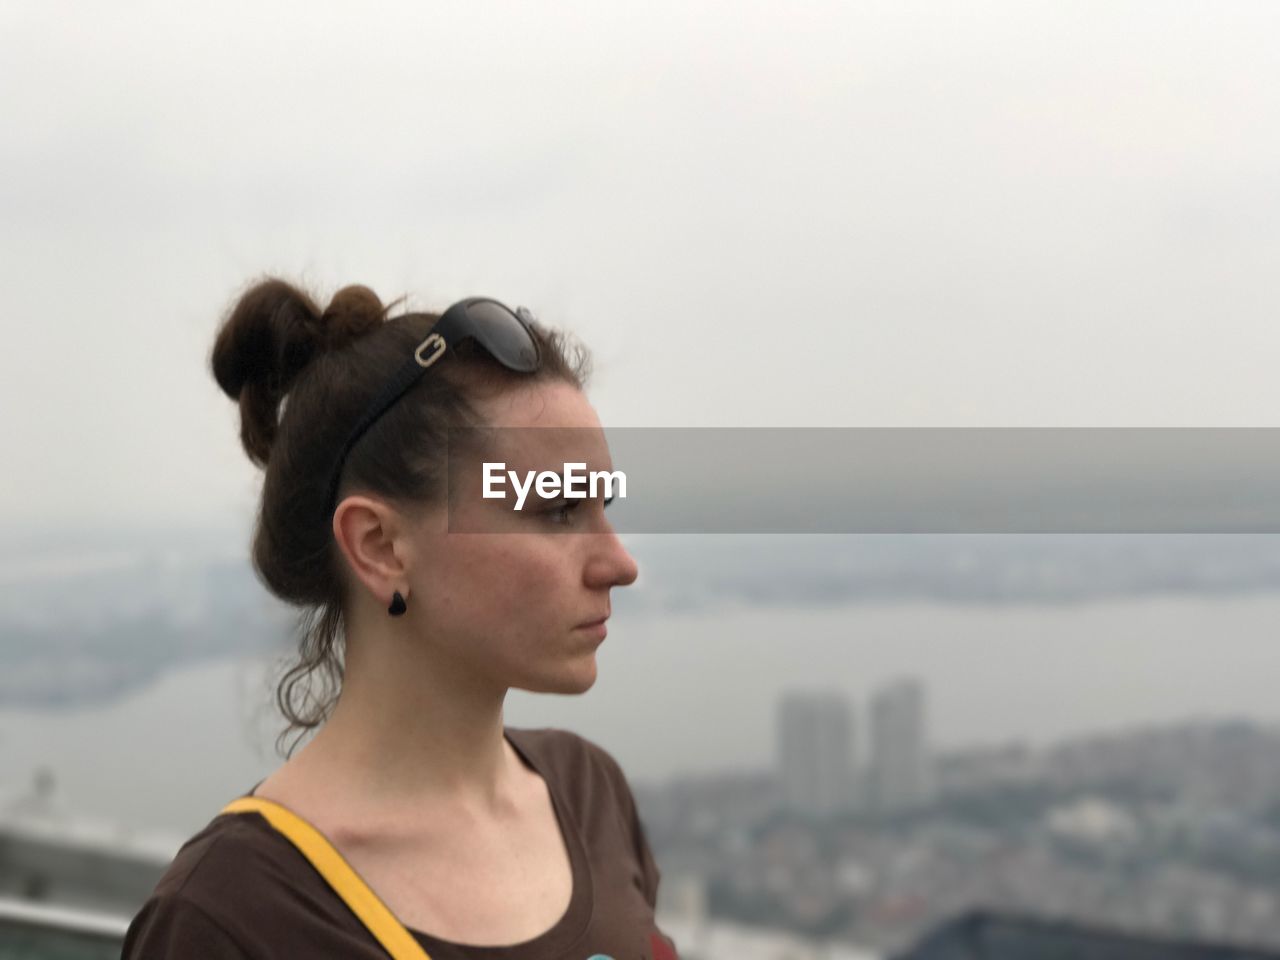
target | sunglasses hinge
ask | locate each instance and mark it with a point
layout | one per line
(434, 342)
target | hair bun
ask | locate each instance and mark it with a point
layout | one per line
(353, 312)
(272, 333)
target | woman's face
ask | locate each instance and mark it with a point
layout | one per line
(509, 604)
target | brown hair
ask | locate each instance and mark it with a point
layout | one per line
(302, 377)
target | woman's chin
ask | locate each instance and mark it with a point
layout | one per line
(579, 679)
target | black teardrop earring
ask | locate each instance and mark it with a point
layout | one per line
(397, 605)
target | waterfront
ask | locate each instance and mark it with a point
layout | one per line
(696, 692)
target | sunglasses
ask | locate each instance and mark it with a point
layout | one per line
(504, 333)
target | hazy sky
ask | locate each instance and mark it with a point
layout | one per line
(822, 214)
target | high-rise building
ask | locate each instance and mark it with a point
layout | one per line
(901, 771)
(815, 753)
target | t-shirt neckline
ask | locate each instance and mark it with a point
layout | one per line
(572, 924)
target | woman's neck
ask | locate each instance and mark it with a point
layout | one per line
(400, 737)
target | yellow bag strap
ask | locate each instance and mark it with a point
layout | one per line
(364, 903)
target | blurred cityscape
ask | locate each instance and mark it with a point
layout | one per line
(863, 839)
(1169, 832)
(846, 853)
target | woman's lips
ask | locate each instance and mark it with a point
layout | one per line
(596, 628)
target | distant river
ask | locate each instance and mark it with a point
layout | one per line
(697, 691)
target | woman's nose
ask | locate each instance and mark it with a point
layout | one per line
(611, 564)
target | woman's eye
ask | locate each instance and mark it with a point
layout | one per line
(559, 514)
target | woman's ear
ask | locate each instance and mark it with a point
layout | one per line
(373, 539)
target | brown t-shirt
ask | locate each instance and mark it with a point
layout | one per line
(239, 889)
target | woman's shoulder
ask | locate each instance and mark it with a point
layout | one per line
(226, 844)
(240, 885)
(195, 901)
(235, 863)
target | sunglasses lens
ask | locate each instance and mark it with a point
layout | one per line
(503, 335)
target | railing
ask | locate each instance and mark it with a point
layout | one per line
(33, 931)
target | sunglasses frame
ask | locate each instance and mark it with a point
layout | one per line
(452, 328)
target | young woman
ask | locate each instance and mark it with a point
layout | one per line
(414, 822)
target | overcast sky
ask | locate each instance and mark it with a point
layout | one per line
(1010, 213)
